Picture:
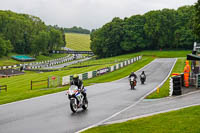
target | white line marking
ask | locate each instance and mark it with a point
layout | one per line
(101, 122)
(174, 97)
(146, 115)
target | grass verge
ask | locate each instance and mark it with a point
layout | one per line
(167, 54)
(181, 121)
(164, 90)
(19, 86)
(123, 72)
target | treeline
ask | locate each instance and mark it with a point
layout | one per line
(76, 30)
(26, 34)
(155, 30)
(197, 19)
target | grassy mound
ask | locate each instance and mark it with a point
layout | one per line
(78, 41)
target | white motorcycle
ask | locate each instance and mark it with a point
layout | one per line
(76, 98)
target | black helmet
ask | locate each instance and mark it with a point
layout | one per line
(142, 72)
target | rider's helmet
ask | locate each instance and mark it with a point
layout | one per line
(75, 77)
(142, 72)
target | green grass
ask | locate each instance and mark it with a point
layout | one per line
(110, 60)
(157, 54)
(164, 90)
(181, 121)
(167, 54)
(7, 61)
(122, 72)
(19, 86)
(78, 41)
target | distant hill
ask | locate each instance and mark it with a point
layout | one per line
(78, 41)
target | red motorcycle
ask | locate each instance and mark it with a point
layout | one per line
(133, 82)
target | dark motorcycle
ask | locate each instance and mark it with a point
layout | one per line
(142, 78)
(133, 82)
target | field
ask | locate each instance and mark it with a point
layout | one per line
(181, 121)
(19, 86)
(78, 41)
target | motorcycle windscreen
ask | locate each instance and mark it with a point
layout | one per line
(132, 78)
(73, 89)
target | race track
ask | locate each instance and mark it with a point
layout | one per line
(52, 114)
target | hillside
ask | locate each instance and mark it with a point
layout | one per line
(78, 41)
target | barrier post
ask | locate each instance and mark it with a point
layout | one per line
(48, 82)
(31, 84)
(158, 90)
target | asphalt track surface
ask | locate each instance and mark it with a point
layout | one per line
(67, 64)
(149, 107)
(52, 114)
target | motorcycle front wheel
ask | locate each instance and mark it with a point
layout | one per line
(73, 105)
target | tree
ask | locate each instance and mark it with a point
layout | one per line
(76, 29)
(134, 38)
(106, 41)
(159, 28)
(56, 39)
(197, 20)
(5, 46)
(40, 43)
(23, 31)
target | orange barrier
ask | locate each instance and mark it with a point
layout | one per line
(175, 74)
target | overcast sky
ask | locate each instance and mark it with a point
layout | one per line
(90, 14)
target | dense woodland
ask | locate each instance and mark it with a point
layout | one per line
(26, 34)
(76, 30)
(161, 29)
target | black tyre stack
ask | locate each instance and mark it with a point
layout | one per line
(198, 81)
(177, 85)
(182, 79)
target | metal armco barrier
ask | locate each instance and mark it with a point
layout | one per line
(66, 79)
(70, 52)
(85, 76)
(64, 59)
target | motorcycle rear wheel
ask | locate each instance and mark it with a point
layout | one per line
(85, 104)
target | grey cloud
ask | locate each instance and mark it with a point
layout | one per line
(87, 13)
